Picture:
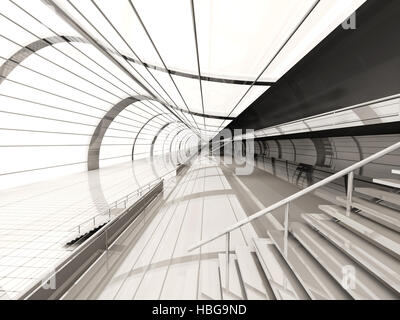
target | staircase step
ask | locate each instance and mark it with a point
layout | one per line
(395, 171)
(379, 235)
(388, 182)
(360, 285)
(281, 278)
(385, 267)
(316, 281)
(381, 194)
(383, 215)
(210, 280)
(254, 281)
(328, 194)
(234, 291)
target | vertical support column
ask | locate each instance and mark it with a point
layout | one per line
(286, 234)
(227, 260)
(350, 181)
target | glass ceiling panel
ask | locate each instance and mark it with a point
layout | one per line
(322, 21)
(41, 83)
(91, 59)
(123, 18)
(171, 95)
(7, 48)
(96, 61)
(214, 123)
(14, 33)
(230, 33)
(150, 81)
(190, 90)
(88, 16)
(220, 98)
(170, 25)
(45, 14)
(20, 20)
(52, 71)
(14, 159)
(91, 20)
(162, 88)
(27, 124)
(21, 101)
(74, 74)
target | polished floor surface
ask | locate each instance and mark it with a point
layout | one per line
(150, 260)
(36, 219)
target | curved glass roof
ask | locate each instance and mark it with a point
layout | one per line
(89, 83)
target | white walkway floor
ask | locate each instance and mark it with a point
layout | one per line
(36, 219)
(150, 260)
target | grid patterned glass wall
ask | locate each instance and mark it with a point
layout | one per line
(64, 64)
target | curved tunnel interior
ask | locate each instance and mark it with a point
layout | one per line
(114, 114)
(63, 129)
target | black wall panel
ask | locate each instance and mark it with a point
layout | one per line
(347, 68)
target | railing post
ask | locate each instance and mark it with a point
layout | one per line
(350, 180)
(228, 240)
(349, 171)
(107, 240)
(286, 232)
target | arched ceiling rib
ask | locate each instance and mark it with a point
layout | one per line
(17, 58)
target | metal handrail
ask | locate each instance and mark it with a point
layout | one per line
(347, 171)
(114, 205)
(124, 200)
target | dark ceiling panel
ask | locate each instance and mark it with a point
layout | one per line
(347, 68)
